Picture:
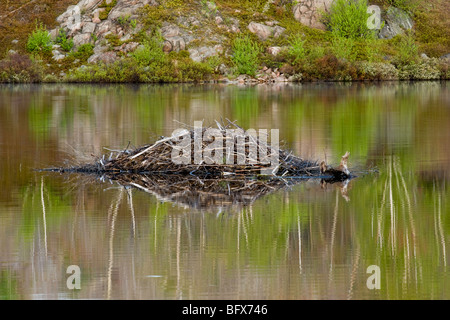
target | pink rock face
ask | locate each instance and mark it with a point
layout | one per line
(264, 31)
(308, 12)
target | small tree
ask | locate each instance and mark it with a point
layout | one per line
(246, 55)
(297, 49)
(39, 40)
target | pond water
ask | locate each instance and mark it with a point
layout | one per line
(308, 241)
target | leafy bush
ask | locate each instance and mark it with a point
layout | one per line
(65, 43)
(316, 52)
(407, 51)
(150, 52)
(39, 40)
(348, 19)
(297, 50)
(373, 50)
(343, 48)
(126, 21)
(245, 55)
(188, 70)
(119, 71)
(213, 63)
(84, 52)
(20, 68)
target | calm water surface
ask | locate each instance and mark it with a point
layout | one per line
(305, 242)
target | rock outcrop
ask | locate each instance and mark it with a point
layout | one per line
(396, 21)
(83, 23)
(267, 30)
(308, 12)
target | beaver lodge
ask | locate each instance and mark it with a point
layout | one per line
(200, 166)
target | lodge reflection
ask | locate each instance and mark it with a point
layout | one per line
(190, 192)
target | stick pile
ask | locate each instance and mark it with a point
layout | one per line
(234, 159)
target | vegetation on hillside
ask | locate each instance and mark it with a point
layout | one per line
(347, 51)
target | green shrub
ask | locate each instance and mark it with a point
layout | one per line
(213, 63)
(407, 51)
(188, 70)
(150, 52)
(108, 7)
(297, 50)
(316, 52)
(65, 43)
(343, 48)
(39, 40)
(348, 19)
(117, 72)
(113, 40)
(373, 50)
(84, 52)
(245, 55)
(126, 21)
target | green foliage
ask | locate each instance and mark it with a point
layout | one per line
(8, 285)
(107, 9)
(432, 29)
(84, 52)
(39, 40)
(316, 52)
(343, 48)
(213, 63)
(297, 49)
(188, 70)
(119, 71)
(65, 43)
(407, 51)
(348, 19)
(373, 50)
(113, 40)
(153, 16)
(126, 21)
(150, 52)
(245, 55)
(147, 64)
(209, 8)
(172, 4)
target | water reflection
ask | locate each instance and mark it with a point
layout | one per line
(303, 242)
